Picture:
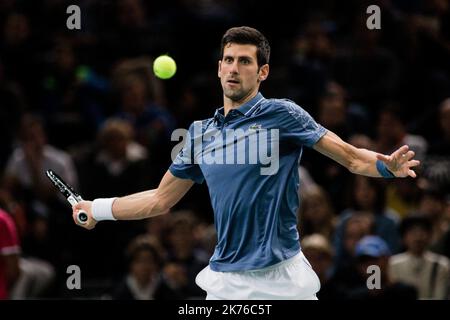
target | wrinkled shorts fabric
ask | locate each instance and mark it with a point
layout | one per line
(292, 279)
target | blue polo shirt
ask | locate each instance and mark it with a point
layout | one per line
(250, 160)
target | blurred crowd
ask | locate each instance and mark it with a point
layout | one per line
(86, 104)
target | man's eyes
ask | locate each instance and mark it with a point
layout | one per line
(242, 60)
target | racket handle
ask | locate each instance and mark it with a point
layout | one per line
(82, 217)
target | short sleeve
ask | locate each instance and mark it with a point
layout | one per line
(300, 126)
(184, 166)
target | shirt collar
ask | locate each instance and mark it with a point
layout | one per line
(219, 115)
(244, 109)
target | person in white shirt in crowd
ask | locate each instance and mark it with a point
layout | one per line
(427, 271)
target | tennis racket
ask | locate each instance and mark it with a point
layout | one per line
(67, 191)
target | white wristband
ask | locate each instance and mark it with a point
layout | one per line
(102, 209)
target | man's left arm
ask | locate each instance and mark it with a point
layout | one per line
(366, 162)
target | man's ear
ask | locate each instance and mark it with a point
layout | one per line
(219, 68)
(263, 72)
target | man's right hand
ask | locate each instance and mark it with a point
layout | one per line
(86, 206)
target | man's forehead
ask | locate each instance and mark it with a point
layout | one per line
(236, 50)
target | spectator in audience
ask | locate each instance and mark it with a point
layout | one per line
(36, 279)
(313, 52)
(368, 198)
(334, 114)
(25, 181)
(352, 230)
(25, 170)
(207, 239)
(306, 181)
(191, 98)
(72, 95)
(9, 254)
(428, 272)
(319, 252)
(136, 21)
(433, 205)
(442, 246)
(116, 163)
(149, 120)
(362, 141)
(16, 44)
(437, 164)
(152, 123)
(392, 132)
(13, 106)
(369, 71)
(403, 196)
(144, 280)
(441, 146)
(157, 226)
(373, 251)
(183, 250)
(36, 276)
(316, 214)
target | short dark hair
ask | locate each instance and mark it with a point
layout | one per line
(145, 243)
(395, 109)
(27, 121)
(415, 220)
(248, 35)
(380, 193)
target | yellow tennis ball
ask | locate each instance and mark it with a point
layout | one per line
(164, 67)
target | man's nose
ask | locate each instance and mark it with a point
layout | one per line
(234, 68)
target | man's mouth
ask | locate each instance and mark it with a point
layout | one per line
(233, 81)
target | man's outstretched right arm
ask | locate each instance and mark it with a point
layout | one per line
(139, 205)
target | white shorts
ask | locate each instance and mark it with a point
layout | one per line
(292, 279)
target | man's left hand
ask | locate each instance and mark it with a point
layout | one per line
(400, 162)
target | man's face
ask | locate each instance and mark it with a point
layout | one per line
(417, 240)
(238, 71)
(388, 128)
(144, 267)
(365, 193)
(320, 260)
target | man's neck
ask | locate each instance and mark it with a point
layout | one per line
(229, 104)
(417, 253)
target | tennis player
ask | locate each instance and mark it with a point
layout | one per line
(258, 255)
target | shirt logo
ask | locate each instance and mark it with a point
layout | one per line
(255, 127)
